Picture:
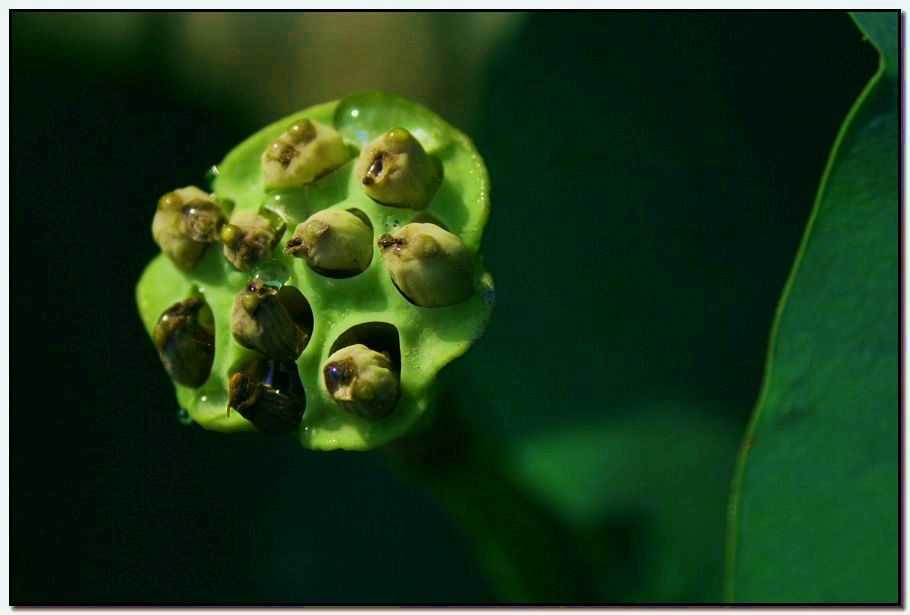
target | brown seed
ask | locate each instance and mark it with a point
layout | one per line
(185, 338)
(185, 222)
(263, 320)
(249, 238)
(268, 409)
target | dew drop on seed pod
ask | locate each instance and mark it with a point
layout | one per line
(210, 174)
(210, 402)
(183, 417)
(272, 273)
(293, 207)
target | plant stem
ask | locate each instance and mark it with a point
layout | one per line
(523, 550)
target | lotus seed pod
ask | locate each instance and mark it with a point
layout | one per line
(428, 264)
(185, 339)
(261, 321)
(249, 238)
(363, 381)
(395, 170)
(269, 409)
(309, 279)
(185, 222)
(306, 151)
(333, 242)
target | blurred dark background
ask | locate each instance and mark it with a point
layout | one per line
(652, 176)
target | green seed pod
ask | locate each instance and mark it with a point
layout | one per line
(185, 339)
(411, 343)
(395, 170)
(267, 408)
(363, 381)
(185, 222)
(333, 242)
(430, 265)
(306, 151)
(249, 238)
(261, 321)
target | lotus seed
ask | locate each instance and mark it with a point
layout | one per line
(395, 170)
(262, 321)
(363, 381)
(428, 264)
(249, 238)
(306, 151)
(267, 408)
(186, 221)
(185, 339)
(333, 242)
(204, 220)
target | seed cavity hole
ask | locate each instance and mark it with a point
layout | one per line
(298, 307)
(363, 217)
(428, 218)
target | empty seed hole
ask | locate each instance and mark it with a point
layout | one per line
(298, 307)
(363, 217)
(427, 217)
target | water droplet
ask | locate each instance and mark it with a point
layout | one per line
(289, 207)
(272, 273)
(183, 417)
(210, 174)
(211, 402)
(355, 112)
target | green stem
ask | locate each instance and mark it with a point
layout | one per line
(523, 550)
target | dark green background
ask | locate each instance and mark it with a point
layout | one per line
(652, 176)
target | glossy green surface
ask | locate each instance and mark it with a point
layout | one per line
(429, 337)
(814, 513)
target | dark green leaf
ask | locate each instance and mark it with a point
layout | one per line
(814, 515)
